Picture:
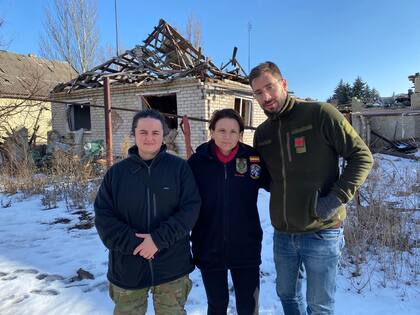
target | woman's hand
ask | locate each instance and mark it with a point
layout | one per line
(147, 249)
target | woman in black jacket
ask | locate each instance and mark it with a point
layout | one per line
(228, 235)
(144, 211)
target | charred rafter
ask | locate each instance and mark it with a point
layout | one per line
(165, 55)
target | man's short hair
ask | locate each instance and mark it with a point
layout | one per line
(267, 66)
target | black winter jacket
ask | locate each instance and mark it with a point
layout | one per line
(161, 199)
(228, 232)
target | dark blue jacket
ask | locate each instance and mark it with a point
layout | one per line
(161, 199)
(228, 232)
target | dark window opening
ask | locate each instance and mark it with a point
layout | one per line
(244, 108)
(165, 104)
(79, 117)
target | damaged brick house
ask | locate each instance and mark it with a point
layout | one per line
(166, 73)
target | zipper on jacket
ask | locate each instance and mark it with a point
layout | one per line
(149, 214)
(148, 210)
(283, 170)
(225, 206)
(316, 202)
(289, 153)
(154, 205)
(225, 215)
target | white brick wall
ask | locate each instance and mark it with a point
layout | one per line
(194, 98)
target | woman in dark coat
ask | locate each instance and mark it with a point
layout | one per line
(228, 235)
(144, 211)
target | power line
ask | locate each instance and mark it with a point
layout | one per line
(123, 109)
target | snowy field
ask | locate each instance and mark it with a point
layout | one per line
(39, 262)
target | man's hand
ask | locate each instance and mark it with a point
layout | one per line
(327, 206)
(147, 249)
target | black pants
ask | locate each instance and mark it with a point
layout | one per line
(246, 282)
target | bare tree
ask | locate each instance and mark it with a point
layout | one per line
(4, 41)
(28, 110)
(70, 33)
(1, 38)
(193, 31)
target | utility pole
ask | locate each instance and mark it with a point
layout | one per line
(249, 46)
(116, 26)
(108, 122)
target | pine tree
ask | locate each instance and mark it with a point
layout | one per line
(342, 93)
(370, 95)
(359, 88)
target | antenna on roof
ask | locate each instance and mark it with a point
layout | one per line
(249, 46)
(116, 26)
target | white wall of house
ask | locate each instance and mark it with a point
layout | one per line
(194, 98)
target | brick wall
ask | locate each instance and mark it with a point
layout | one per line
(222, 94)
(194, 98)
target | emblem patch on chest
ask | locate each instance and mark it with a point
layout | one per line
(241, 165)
(300, 145)
(255, 171)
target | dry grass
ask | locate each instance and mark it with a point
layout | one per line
(21, 176)
(72, 180)
(66, 178)
(381, 239)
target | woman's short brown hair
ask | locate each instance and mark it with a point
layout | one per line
(226, 113)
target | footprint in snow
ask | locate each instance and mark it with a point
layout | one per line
(28, 271)
(8, 278)
(16, 299)
(45, 292)
(20, 298)
(49, 278)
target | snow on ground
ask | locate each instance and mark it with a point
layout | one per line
(38, 261)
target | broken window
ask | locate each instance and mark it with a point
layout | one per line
(78, 117)
(244, 108)
(164, 104)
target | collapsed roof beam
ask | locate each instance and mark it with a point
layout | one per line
(166, 55)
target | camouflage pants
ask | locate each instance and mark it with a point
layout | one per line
(168, 298)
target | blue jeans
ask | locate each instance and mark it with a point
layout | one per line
(319, 254)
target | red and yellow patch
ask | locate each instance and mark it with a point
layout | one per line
(300, 145)
(254, 159)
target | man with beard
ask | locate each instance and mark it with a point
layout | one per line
(301, 143)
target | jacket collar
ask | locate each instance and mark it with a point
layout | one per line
(133, 156)
(284, 111)
(207, 150)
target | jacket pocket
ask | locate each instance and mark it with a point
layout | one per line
(314, 204)
(329, 234)
(129, 270)
(165, 200)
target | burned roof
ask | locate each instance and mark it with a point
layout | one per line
(26, 76)
(164, 55)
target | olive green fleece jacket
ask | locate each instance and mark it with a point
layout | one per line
(301, 146)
